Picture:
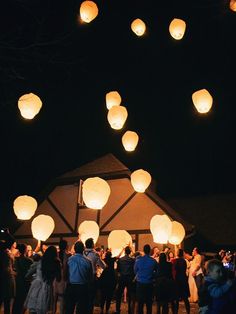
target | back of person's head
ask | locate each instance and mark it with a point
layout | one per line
(21, 247)
(49, 259)
(211, 264)
(79, 247)
(36, 257)
(147, 249)
(89, 244)
(63, 245)
(127, 250)
(137, 254)
(162, 258)
(180, 253)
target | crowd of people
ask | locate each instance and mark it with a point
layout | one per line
(76, 280)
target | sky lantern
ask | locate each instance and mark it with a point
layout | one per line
(160, 226)
(140, 180)
(202, 100)
(96, 192)
(113, 99)
(117, 116)
(117, 240)
(42, 227)
(177, 233)
(130, 140)
(138, 27)
(29, 105)
(24, 207)
(232, 5)
(177, 28)
(88, 229)
(88, 11)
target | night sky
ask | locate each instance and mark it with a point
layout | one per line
(70, 65)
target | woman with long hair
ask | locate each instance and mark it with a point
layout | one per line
(40, 297)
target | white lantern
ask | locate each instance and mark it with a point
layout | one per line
(177, 28)
(160, 226)
(138, 27)
(42, 227)
(117, 116)
(29, 105)
(113, 99)
(96, 192)
(202, 100)
(88, 11)
(117, 240)
(177, 233)
(88, 229)
(232, 5)
(25, 207)
(130, 140)
(140, 180)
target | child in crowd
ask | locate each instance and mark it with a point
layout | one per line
(217, 295)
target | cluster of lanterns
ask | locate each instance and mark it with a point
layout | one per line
(164, 230)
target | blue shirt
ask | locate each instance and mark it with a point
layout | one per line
(145, 268)
(80, 269)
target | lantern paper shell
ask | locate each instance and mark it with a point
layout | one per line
(232, 5)
(117, 240)
(88, 229)
(140, 180)
(96, 192)
(138, 27)
(177, 28)
(130, 140)
(29, 105)
(202, 100)
(42, 227)
(113, 99)
(160, 226)
(88, 11)
(24, 207)
(177, 233)
(117, 116)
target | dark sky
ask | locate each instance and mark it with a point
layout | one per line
(71, 66)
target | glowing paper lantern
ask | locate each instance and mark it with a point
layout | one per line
(202, 100)
(177, 28)
(117, 116)
(177, 233)
(25, 207)
(42, 227)
(113, 99)
(160, 226)
(96, 192)
(117, 240)
(29, 105)
(130, 140)
(88, 229)
(232, 5)
(138, 27)
(140, 180)
(88, 11)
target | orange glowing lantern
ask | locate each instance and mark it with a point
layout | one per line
(88, 229)
(117, 116)
(202, 100)
(177, 28)
(138, 27)
(140, 180)
(130, 140)
(113, 99)
(96, 192)
(25, 207)
(29, 105)
(42, 227)
(232, 5)
(177, 233)
(160, 226)
(88, 11)
(117, 240)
